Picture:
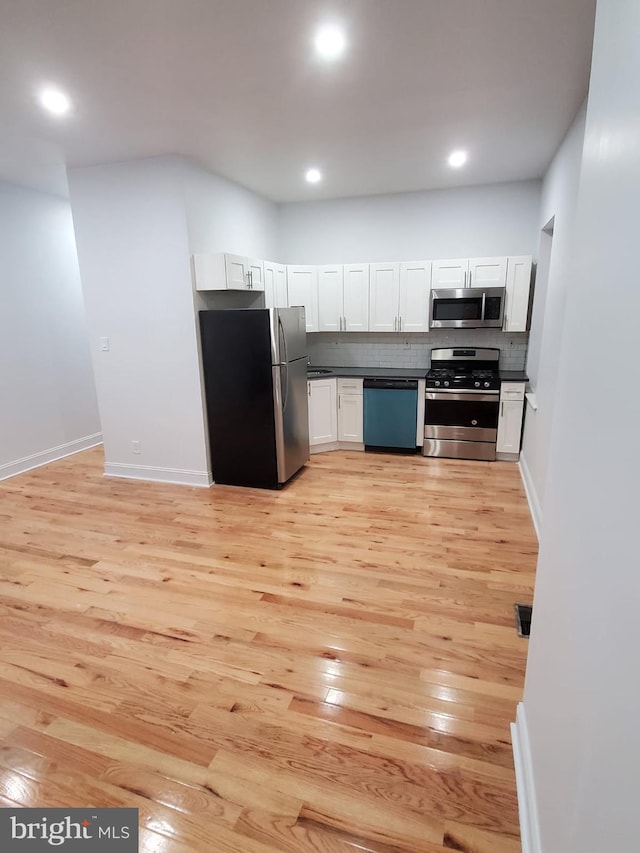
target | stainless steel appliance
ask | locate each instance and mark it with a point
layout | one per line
(467, 308)
(255, 377)
(462, 403)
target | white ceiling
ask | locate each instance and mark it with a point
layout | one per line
(234, 85)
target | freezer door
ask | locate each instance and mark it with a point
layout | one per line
(291, 417)
(288, 334)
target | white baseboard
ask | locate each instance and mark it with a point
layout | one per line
(28, 463)
(532, 495)
(175, 476)
(527, 804)
(321, 448)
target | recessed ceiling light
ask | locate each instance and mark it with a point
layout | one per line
(457, 159)
(313, 176)
(330, 42)
(55, 101)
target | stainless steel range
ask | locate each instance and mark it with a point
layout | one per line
(462, 403)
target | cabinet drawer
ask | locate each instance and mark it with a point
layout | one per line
(349, 386)
(512, 391)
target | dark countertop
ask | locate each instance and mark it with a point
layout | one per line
(371, 372)
(513, 376)
(401, 373)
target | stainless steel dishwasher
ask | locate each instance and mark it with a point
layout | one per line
(390, 415)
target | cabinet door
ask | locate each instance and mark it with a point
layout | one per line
(323, 420)
(384, 296)
(302, 286)
(509, 426)
(282, 300)
(209, 271)
(350, 418)
(330, 298)
(450, 273)
(270, 285)
(415, 286)
(487, 272)
(356, 298)
(516, 309)
(255, 269)
(236, 272)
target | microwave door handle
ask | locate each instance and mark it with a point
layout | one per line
(484, 304)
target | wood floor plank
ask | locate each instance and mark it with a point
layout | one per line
(331, 667)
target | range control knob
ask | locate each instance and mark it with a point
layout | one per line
(446, 383)
(437, 382)
(486, 384)
(477, 384)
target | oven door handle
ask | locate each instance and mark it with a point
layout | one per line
(484, 305)
(466, 397)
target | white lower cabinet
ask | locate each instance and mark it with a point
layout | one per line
(323, 412)
(510, 417)
(350, 411)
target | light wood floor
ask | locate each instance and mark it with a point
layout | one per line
(333, 667)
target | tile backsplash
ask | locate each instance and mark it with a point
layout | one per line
(411, 350)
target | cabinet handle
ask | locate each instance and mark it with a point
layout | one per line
(395, 324)
(309, 389)
(339, 398)
(345, 324)
(400, 324)
(502, 409)
(469, 278)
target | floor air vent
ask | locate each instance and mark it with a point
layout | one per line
(523, 619)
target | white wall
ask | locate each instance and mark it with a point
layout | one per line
(137, 224)
(131, 231)
(47, 396)
(225, 217)
(559, 198)
(582, 694)
(501, 219)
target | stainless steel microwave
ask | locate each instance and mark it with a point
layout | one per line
(467, 308)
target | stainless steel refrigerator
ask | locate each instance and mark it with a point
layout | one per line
(255, 376)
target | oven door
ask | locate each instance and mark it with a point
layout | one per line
(461, 415)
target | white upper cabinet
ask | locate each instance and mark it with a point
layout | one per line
(343, 298)
(450, 273)
(516, 309)
(302, 286)
(275, 285)
(255, 271)
(355, 298)
(223, 271)
(236, 269)
(487, 272)
(399, 297)
(415, 287)
(330, 302)
(384, 297)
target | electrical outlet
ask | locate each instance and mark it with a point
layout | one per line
(136, 446)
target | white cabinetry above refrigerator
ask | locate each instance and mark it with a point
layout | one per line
(223, 271)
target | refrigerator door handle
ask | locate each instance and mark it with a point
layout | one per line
(283, 341)
(285, 391)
